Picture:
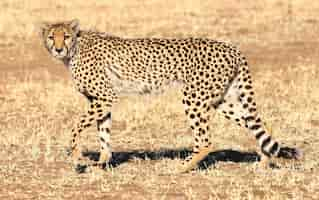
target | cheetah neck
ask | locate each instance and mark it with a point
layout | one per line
(72, 51)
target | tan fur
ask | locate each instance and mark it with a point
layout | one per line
(213, 74)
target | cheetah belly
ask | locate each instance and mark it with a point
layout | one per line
(123, 86)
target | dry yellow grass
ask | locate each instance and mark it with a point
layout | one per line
(38, 104)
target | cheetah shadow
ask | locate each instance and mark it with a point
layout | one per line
(227, 155)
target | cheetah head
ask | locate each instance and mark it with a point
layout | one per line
(59, 38)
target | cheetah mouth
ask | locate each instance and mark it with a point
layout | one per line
(59, 55)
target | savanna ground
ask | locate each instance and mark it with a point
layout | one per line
(38, 104)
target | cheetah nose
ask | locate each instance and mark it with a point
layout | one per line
(58, 50)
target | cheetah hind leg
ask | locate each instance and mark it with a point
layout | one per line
(197, 111)
(238, 105)
(236, 108)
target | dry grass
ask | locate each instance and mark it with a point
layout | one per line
(38, 104)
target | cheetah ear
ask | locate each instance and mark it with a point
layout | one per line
(74, 24)
(42, 28)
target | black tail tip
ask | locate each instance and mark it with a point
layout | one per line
(290, 153)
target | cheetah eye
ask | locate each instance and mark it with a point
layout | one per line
(67, 37)
(51, 37)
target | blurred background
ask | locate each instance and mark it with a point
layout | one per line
(256, 26)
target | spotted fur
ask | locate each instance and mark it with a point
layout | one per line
(214, 75)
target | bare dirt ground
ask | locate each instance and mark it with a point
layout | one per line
(38, 104)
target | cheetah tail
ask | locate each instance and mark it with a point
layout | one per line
(268, 145)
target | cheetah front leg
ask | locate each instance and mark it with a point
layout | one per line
(101, 97)
(99, 112)
(85, 121)
(104, 128)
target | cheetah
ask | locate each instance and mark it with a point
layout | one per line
(214, 76)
